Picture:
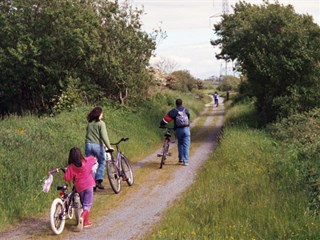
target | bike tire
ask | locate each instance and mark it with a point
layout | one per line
(127, 170)
(57, 218)
(70, 214)
(77, 207)
(165, 150)
(113, 176)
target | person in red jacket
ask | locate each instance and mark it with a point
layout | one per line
(79, 171)
(182, 130)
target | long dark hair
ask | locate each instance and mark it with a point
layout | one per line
(94, 114)
(75, 157)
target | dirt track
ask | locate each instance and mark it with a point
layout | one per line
(136, 215)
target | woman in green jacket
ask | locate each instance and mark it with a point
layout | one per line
(97, 140)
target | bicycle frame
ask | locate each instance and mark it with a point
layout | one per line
(68, 199)
(166, 145)
(67, 205)
(119, 168)
(116, 160)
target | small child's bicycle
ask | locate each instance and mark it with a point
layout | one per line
(68, 205)
(118, 167)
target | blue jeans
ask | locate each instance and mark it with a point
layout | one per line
(183, 136)
(98, 151)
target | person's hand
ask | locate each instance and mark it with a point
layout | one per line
(111, 149)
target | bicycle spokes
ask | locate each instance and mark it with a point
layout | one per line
(113, 176)
(118, 168)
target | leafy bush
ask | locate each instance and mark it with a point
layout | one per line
(302, 131)
(184, 81)
(229, 83)
(69, 98)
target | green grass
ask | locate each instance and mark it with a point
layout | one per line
(31, 146)
(248, 189)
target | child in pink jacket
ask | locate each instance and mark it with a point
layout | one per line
(80, 172)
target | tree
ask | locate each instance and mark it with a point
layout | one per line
(278, 52)
(165, 65)
(184, 81)
(48, 46)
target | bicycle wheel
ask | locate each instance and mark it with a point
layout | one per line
(77, 207)
(113, 176)
(57, 218)
(70, 209)
(165, 150)
(127, 171)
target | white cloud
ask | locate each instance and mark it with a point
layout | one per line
(189, 24)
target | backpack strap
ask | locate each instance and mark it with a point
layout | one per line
(184, 109)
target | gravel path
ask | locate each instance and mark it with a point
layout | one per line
(136, 215)
(143, 209)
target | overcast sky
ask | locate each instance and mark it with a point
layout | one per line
(188, 24)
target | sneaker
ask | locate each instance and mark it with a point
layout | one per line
(186, 164)
(99, 185)
(180, 162)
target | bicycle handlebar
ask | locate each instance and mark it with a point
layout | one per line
(56, 170)
(121, 140)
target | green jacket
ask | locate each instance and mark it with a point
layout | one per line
(97, 133)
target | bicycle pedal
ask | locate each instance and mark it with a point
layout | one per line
(159, 155)
(169, 154)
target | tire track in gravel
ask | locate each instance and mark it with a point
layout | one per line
(137, 214)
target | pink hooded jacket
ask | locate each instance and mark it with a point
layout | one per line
(82, 176)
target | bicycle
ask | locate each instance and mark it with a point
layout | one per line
(67, 205)
(118, 168)
(166, 145)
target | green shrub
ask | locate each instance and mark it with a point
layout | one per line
(302, 132)
(229, 83)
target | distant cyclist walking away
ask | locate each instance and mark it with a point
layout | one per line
(96, 140)
(181, 117)
(216, 99)
(79, 170)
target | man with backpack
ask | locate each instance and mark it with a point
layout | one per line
(181, 117)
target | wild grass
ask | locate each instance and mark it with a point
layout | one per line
(31, 146)
(248, 189)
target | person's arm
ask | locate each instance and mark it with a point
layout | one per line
(165, 120)
(170, 116)
(104, 135)
(68, 175)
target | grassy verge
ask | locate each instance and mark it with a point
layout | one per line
(246, 190)
(31, 146)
